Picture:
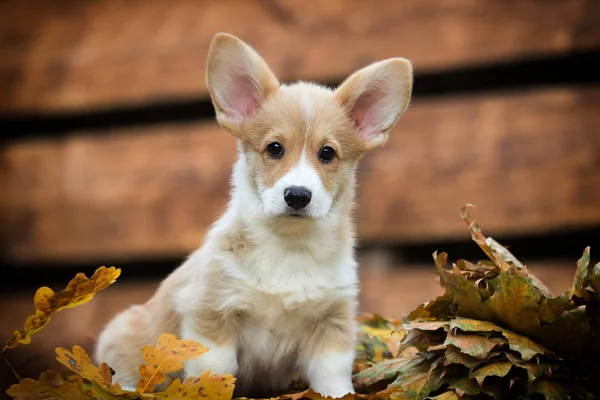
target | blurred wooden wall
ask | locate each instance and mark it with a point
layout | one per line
(527, 158)
(111, 152)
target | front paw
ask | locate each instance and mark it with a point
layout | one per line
(193, 368)
(336, 392)
(217, 361)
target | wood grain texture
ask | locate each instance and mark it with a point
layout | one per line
(59, 55)
(121, 194)
(529, 161)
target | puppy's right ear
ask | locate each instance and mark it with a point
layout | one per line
(238, 80)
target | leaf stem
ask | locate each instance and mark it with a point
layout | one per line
(8, 364)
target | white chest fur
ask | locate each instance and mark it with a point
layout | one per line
(279, 295)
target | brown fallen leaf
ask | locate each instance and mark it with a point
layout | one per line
(453, 355)
(495, 369)
(550, 390)
(449, 395)
(418, 385)
(388, 369)
(474, 345)
(515, 303)
(378, 339)
(522, 344)
(580, 280)
(595, 280)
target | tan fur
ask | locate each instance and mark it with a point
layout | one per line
(283, 120)
(136, 327)
(219, 327)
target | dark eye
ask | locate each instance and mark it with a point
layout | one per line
(275, 150)
(326, 154)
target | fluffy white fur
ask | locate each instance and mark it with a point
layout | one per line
(270, 294)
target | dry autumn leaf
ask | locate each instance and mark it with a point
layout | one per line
(550, 390)
(50, 386)
(450, 395)
(79, 362)
(438, 308)
(168, 355)
(522, 344)
(493, 369)
(378, 339)
(47, 302)
(388, 369)
(581, 276)
(415, 386)
(595, 281)
(515, 303)
(473, 345)
(464, 386)
(465, 295)
(498, 254)
(453, 355)
(535, 369)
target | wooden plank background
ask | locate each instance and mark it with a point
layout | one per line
(530, 161)
(69, 55)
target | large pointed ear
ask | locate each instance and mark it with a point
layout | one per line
(238, 80)
(375, 97)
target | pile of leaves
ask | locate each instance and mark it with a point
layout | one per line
(497, 332)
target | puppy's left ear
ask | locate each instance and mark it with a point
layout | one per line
(375, 97)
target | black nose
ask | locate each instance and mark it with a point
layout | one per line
(297, 197)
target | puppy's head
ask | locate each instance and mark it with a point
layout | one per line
(302, 141)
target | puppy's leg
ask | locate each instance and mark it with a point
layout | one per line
(329, 351)
(120, 343)
(330, 373)
(221, 358)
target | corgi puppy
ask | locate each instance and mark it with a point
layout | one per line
(272, 292)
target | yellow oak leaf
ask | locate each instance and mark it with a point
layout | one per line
(168, 355)
(79, 362)
(50, 386)
(47, 302)
(205, 386)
